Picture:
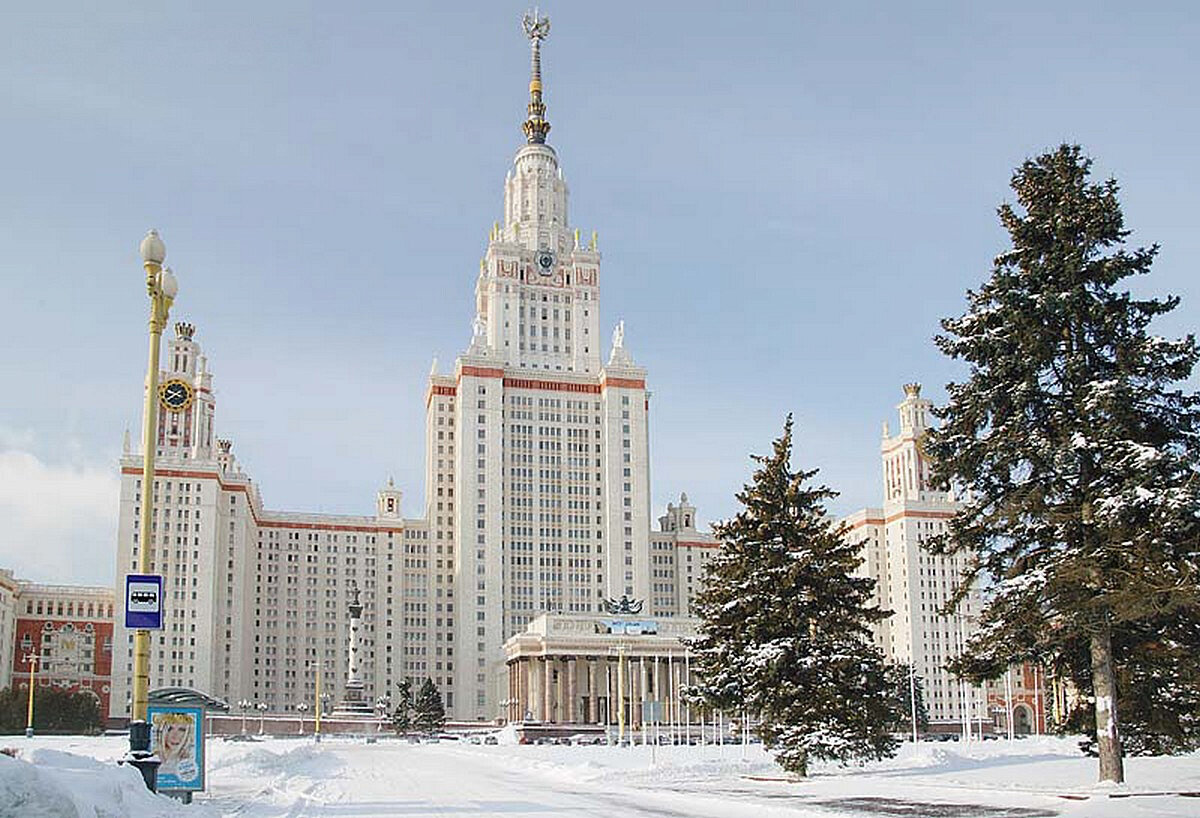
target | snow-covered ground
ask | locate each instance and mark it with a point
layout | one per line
(62, 777)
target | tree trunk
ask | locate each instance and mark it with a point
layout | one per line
(1104, 686)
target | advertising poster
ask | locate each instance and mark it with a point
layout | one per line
(177, 738)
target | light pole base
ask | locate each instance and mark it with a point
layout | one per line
(139, 754)
(28, 732)
(317, 738)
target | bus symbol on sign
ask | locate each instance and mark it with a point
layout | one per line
(143, 601)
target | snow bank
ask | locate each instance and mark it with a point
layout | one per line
(54, 784)
(305, 760)
(507, 735)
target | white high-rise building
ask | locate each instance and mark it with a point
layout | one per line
(537, 497)
(910, 581)
(552, 468)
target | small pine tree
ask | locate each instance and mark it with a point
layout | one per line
(903, 683)
(429, 714)
(784, 627)
(402, 718)
(1076, 450)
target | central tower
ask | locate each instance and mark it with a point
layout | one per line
(537, 297)
(538, 469)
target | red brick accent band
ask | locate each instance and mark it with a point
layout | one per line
(922, 515)
(557, 386)
(864, 522)
(481, 372)
(439, 389)
(625, 383)
(263, 523)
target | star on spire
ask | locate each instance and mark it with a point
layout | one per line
(537, 28)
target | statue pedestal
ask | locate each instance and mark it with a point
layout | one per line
(354, 704)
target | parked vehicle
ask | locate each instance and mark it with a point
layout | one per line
(587, 739)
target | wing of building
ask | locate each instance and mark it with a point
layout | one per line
(916, 584)
(537, 497)
(62, 633)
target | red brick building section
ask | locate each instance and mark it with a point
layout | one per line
(70, 629)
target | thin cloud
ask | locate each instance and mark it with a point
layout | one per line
(57, 522)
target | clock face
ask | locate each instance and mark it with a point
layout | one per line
(544, 261)
(176, 395)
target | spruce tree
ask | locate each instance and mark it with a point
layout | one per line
(1071, 443)
(1158, 685)
(785, 624)
(402, 718)
(907, 686)
(429, 714)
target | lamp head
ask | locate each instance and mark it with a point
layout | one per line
(170, 286)
(152, 248)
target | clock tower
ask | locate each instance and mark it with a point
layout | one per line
(185, 400)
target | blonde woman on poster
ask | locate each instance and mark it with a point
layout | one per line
(174, 744)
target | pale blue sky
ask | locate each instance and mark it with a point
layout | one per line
(789, 195)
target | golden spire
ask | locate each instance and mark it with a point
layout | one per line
(537, 28)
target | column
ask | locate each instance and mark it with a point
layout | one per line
(547, 690)
(571, 716)
(535, 686)
(593, 713)
(514, 688)
(560, 691)
(608, 690)
(525, 679)
(514, 707)
(643, 693)
(660, 691)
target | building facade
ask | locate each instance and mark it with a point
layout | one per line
(64, 633)
(916, 585)
(678, 553)
(8, 625)
(604, 670)
(537, 497)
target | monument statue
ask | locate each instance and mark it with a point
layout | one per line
(624, 605)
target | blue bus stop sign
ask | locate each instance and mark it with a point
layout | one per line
(143, 602)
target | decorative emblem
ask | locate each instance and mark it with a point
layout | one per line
(176, 395)
(624, 605)
(544, 261)
(536, 27)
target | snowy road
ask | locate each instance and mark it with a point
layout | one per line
(393, 779)
(344, 778)
(397, 779)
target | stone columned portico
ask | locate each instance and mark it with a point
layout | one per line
(583, 669)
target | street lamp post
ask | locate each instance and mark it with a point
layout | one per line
(317, 700)
(161, 287)
(912, 697)
(245, 705)
(262, 712)
(32, 660)
(619, 650)
(382, 704)
(323, 705)
(301, 708)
